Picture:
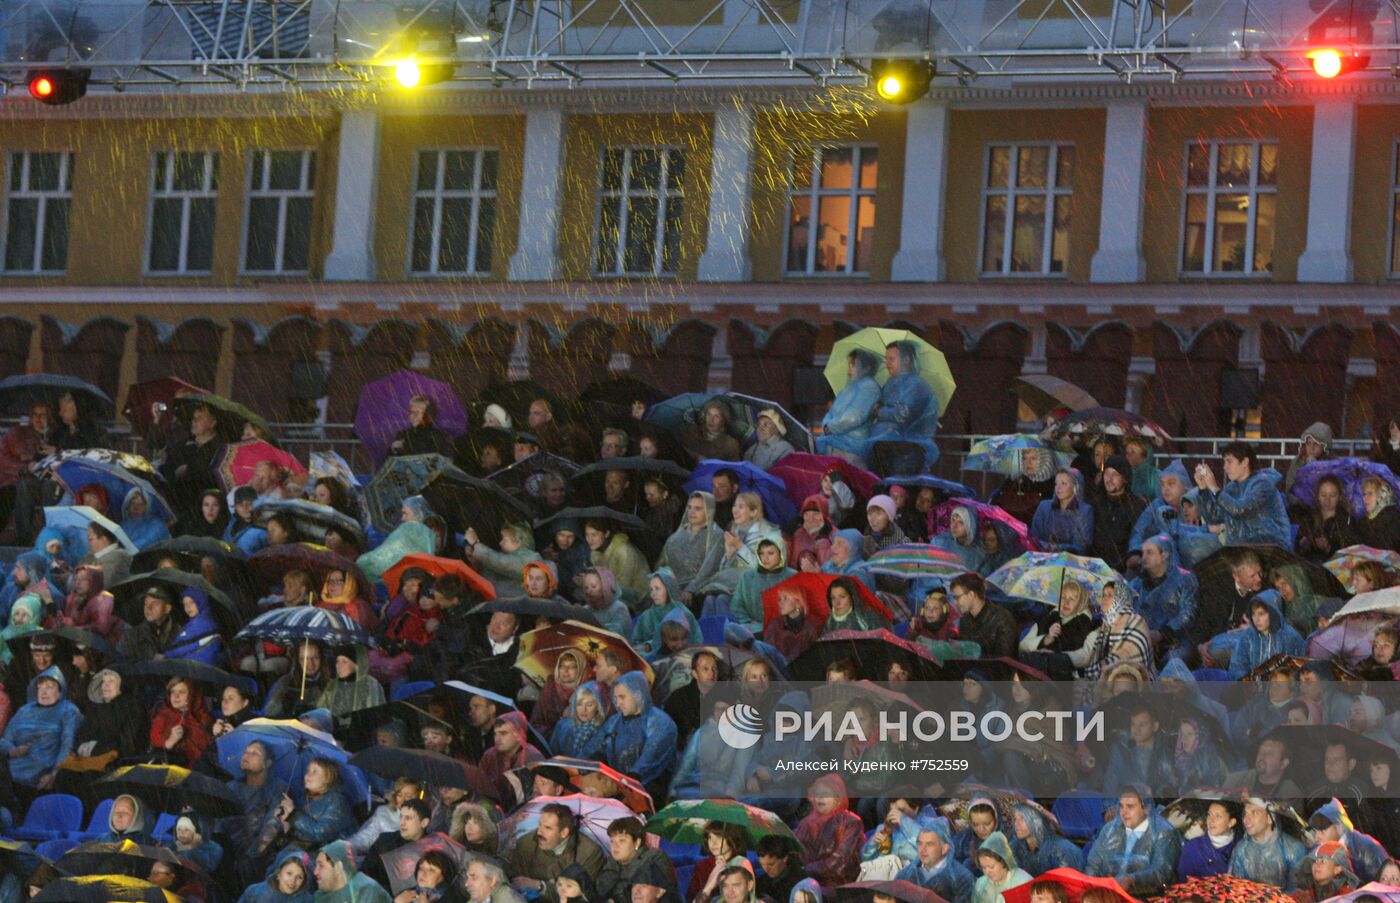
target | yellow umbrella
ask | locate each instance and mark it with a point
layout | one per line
(933, 366)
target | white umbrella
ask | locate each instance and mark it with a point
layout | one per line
(1383, 600)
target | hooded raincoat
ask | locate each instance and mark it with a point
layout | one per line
(846, 427)
(147, 529)
(1273, 860)
(1367, 855)
(345, 697)
(1069, 529)
(948, 878)
(988, 891)
(694, 555)
(1145, 857)
(1169, 603)
(577, 738)
(1251, 510)
(1052, 849)
(832, 841)
(646, 629)
(199, 640)
(50, 731)
(269, 892)
(908, 409)
(359, 887)
(644, 744)
(968, 549)
(1256, 647)
(746, 605)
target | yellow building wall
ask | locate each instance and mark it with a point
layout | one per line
(782, 136)
(1171, 129)
(111, 188)
(971, 132)
(1377, 128)
(587, 136)
(401, 138)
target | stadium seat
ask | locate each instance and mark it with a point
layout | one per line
(1080, 813)
(98, 823)
(165, 827)
(52, 849)
(50, 817)
(712, 628)
(901, 629)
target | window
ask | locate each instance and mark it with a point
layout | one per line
(281, 192)
(36, 223)
(1230, 209)
(185, 188)
(454, 212)
(1026, 201)
(639, 211)
(831, 212)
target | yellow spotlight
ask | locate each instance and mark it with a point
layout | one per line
(408, 74)
(1327, 63)
(890, 87)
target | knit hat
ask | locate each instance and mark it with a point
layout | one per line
(1121, 465)
(884, 503)
(1335, 851)
(495, 410)
(775, 418)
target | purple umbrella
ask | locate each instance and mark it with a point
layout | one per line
(383, 409)
(1351, 471)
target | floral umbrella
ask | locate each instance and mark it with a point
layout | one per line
(126, 460)
(803, 472)
(236, 463)
(684, 821)
(1002, 454)
(916, 482)
(1346, 560)
(956, 809)
(540, 648)
(593, 814)
(940, 515)
(1351, 471)
(1384, 601)
(399, 478)
(1223, 889)
(1387, 893)
(1040, 575)
(1106, 422)
(74, 473)
(873, 340)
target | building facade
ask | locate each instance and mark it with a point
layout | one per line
(1218, 256)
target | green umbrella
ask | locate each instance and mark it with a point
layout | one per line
(230, 415)
(684, 822)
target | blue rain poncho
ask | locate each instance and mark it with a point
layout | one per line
(642, 745)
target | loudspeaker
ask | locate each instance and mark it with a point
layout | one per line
(809, 387)
(1239, 389)
(308, 381)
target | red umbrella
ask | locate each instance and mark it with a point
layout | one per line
(438, 567)
(813, 588)
(1075, 884)
(803, 472)
(237, 462)
(938, 519)
(141, 396)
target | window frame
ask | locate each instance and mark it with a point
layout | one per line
(213, 159)
(1051, 192)
(814, 194)
(65, 192)
(476, 193)
(283, 195)
(1209, 266)
(663, 197)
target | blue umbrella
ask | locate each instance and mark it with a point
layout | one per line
(293, 745)
(675, 412)
(78, 517)
(949, 488)
(75, 473)
(777, 506)
(304, 622)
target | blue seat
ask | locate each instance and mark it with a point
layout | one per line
(1080, 813)
(51, 816)
(98, 823)
(712, 628)
(406, 690)
(683, 873)
(52, 849)
(165, 827)
(901, 629)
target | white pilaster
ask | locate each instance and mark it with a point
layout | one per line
(536, 257)
(519, 365)
(356, 187)
(726, 257)
(920, 255)
(1119, 257)
(721, 373)
(1328, 255)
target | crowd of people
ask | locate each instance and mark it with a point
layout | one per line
(495, 666)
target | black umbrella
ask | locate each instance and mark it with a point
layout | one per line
(641, 466)
(523, 477)
(446, 702)
(103, 889)
(1307, 747)
(189, 554)
(555, 609)
(871, 650)
(426, 767)
(190, 547)
(130, 592)
(904, 891)
(169, 788)
(271, 564)
(211, 679)
(1169, 709)
(125, 857)
(19, 393)
(467, 501)
(596, 512)
(75, 638)
(621, 390)
(312, 521)
(1213, 571)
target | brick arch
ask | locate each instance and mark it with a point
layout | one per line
(360, 355)
(468, 356)
(680, 360)
(91, 351)
(265, 356)
(566, 360)
(1387, 398)
(188, 349)
(1305, 377)
(766, 361)
(1096, 360)
(1183, 394)
(15, 333)
(983, 366)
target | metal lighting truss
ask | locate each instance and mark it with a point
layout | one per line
(256, 44)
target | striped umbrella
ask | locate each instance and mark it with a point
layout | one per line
(304, 622)
(1346, 560)
(915, 561)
